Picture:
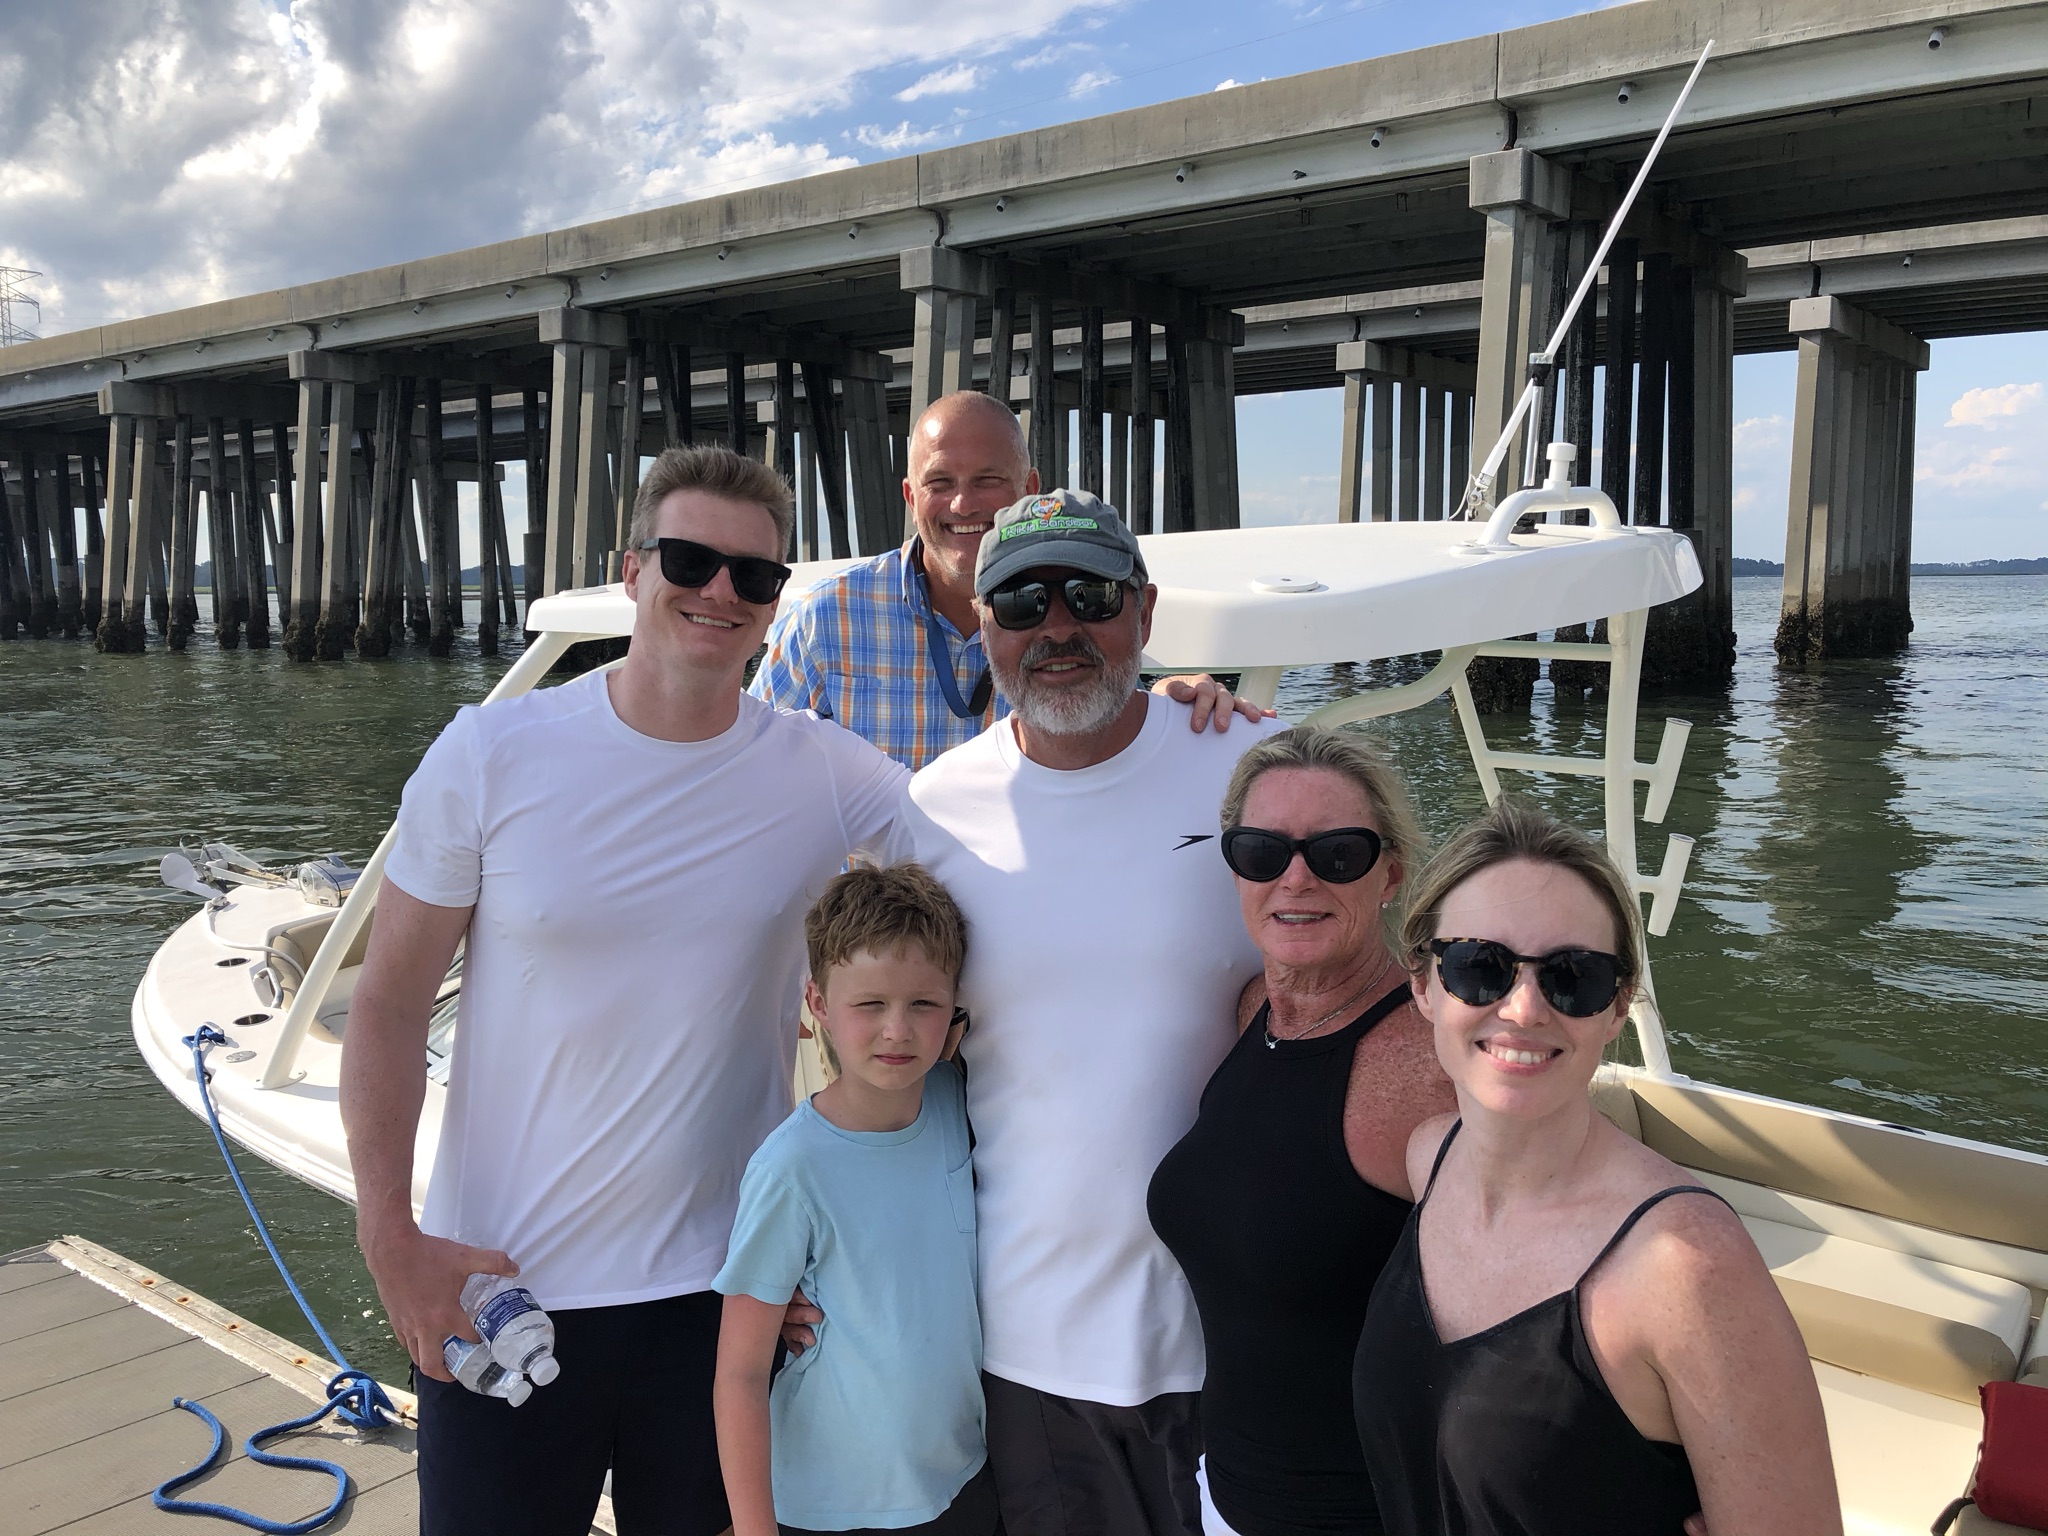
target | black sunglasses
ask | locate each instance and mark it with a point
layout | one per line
(1578, 983)
(686, 563)
(1024, 604)
(1339, 856)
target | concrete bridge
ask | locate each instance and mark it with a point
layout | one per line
(1850, 180)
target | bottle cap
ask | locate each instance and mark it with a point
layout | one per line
(520, 1390)
(543, 1369)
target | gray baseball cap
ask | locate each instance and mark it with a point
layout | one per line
(1057, 528)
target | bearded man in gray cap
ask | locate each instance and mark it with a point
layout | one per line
(1079, 837)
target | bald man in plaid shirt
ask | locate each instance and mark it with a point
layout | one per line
(891, 647)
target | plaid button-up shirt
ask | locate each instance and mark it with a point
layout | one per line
(857, 648)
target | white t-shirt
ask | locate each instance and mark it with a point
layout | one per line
(627, 1029)
(1105, 955)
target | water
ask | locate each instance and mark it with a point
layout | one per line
(1866, 922)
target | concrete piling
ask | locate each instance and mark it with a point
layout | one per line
(184, 603)
(1848, 536)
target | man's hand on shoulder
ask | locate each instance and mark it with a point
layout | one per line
(1212, 703)
(419, 1279)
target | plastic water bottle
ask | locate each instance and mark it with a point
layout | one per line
(520, 1334)
(470, 1363)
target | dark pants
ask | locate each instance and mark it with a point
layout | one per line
(1065, 1467)
(972, 1513)
(634, 1399)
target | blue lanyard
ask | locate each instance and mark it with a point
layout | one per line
(976, 704)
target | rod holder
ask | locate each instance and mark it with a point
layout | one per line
(1663, 887)
(1663, 774)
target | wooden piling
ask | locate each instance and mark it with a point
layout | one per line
(672, 398)
(1093, 401)
(111, 634)
(184, 510)
(826, 433)
(160, 554)
(230, 607)
(335, 509)
(1682, 400)
(1002, 343)
(1119, 491)
(1580, 359)
(632, 439)
(13, 566)
(736, 401)
(490, 523)
(254, 538)
(1382, 448)
(1650, 382)
(782, 454)
(438, 526)
(535, 443)
(383, 576)
(60, 515)
(302, 587)
(35, 544)
(287, 517)
(1433, 454)
(1411, 451)
(1618, 397)
(1043, 410)
(89, 470)
(144, 525)
(1180, 433)
(1140, 509)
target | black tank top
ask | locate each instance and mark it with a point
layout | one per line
(1510, 1430)
(1281, 1241)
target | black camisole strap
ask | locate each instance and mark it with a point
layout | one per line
(1634, 1216)
(1437, 1167)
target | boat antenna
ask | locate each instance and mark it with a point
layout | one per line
(1479, 493)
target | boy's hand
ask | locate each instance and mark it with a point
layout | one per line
(797, 1320)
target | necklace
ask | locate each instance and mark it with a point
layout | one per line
(1273, 1040)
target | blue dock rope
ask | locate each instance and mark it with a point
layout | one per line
(353, 1395)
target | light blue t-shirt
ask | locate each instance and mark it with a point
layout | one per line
(880, 1422)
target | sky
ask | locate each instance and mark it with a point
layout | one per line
(158, 153)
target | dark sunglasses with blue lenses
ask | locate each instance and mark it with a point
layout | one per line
(1578, 983)
(686, 563)
(1338, 857)
(1024, 604)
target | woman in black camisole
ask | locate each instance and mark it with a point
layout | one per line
(1285, 1198)
(1571, 1338)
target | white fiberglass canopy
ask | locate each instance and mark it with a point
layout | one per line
(1284, 597)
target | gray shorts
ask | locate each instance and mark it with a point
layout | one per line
(1065, 1467)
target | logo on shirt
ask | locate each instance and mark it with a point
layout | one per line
(1190, 839)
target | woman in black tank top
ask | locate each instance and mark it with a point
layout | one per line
(1570, 1338)
(1285, 1198)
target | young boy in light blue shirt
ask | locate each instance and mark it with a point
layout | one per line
(864, 1198)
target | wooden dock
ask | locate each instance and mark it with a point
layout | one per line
(93, 1348)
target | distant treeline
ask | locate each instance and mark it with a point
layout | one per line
(1973, 568)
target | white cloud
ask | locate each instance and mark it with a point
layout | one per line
(900, 139)
(1990, 407)
(1051, 53)
(1090, 80)
(157, 156)
(1760, 433)
(957, 81)
(1226, 85)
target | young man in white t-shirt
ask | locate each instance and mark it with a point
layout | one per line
(629, 857)
(1107, 956)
